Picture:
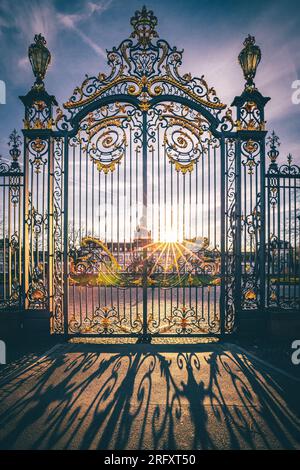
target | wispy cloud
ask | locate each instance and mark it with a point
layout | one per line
(31, 18)
(71, 21)
(42, 17)
(23, 62)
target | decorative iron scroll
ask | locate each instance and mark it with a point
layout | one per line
(103, 134)
(57, 323)
(251, 224)
(38, 153)
(251, 118)
(230, 239)
(186, 134)
(39, 116)
(37, 292)
(143, 69)
(183, 320)
(106, 320)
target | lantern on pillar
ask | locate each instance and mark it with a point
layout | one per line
(40, 58)
(249, 58)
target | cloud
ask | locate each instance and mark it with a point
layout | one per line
(91, 43)
(23, 62)
(71, 21)
(100, 7)
(31, 18)
(41, 17)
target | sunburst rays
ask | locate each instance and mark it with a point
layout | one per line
(167, 259)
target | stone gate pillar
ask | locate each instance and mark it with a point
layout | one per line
(250, 189)
(38, 194)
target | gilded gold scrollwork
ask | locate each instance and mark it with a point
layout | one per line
(145, 69)
(103, 136)
(182, 144)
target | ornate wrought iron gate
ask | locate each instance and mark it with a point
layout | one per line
(145, 243)
(144, 202)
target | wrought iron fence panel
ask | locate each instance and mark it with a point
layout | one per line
(283, 231)
(11, 227)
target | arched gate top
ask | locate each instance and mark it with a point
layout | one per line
(146, 69)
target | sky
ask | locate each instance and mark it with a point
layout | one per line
(211, 32)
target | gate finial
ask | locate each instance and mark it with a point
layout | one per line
(15, 152)
(144, 23)
(40, 57)
(249, 58)
(273, 142)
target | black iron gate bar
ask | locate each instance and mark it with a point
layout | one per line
(283, 231)
(11, 187)
(145, 210)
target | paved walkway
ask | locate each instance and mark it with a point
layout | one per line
(141, 397)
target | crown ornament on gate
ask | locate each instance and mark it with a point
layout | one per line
(273, 142)
(15, 152)
(144, 23)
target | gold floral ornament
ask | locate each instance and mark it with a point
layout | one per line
(38, 124)
(250, 295)
(250, 118)
(38, 153)
(40, 119)
(250, 146)
(38, 145)
(251, 151)
(183, 319)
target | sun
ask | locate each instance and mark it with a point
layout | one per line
(170, 236)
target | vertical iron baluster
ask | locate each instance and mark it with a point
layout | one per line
(223, 234)
(237, 245)
(284, 241)
(65, 232)
(289, 239)
(111, 249)
(136, 151)
(262, 253)
(295, 242)
(9, 239)
(145, 205)
(4, 242)
(99, 227)
(74, 203)
(270, 232)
